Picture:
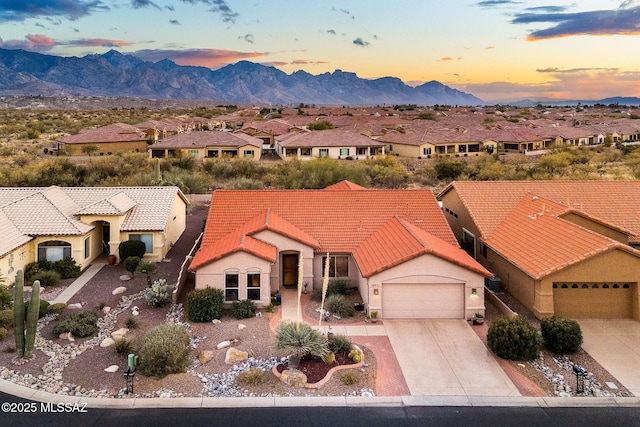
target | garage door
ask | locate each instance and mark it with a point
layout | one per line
(593, 300)
(422, 301)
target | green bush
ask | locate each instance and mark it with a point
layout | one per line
(3, 333)
(6, 318)
(131, 323)
(300, 339)
(31, 270)
(6, 298)
(123, 346)
(204, 305)
(561, 335)
(339, 343)
(47, 278)
(131, 263)
(338, 305)
(513, 339)
(244, 309)
(43, 311)
(158, 294)
(336, 286)
(131, 248)
(252, 377)
(57, 308)
(164, 350)
(67, 268)
(82, 324)
(349, 378)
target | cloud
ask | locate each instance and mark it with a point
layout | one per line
(446, 58)
(174, 22)
(306, 62)
(360, 42)
(138, 4)
(247, 37)
(218, 6)
(332, 32)
(96, 42)
(274, 64)
(211, 58)
(621, 21)
(497, 3)
(489, 48)
(32, 42)
(17, 10)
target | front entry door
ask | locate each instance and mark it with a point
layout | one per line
(290, 269)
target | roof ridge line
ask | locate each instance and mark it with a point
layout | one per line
(407, 227)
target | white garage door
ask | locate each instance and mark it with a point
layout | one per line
(422, 301)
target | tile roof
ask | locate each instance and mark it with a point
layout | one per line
(118, 204)
(12, 237)
(345, 185)
(539, 242)
(204, 139)
(235, 242)
(342, 219)
(117, 132)
(328, 138)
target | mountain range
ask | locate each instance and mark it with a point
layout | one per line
(115, 74)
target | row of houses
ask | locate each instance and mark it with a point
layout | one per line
(353, 137)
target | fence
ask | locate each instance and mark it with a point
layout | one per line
(182, 277)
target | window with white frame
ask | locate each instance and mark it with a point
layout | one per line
(338, 265)
(426, 151)
(147, 239)
(54, 250)
(344, 151)
(248, 153)
(253, 285)
(231, 283)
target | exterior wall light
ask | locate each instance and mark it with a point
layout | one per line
(376, 291)
(473, 291)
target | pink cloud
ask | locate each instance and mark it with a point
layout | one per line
(98, 42)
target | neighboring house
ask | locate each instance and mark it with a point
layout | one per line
(333, 143)
(209, 145)
(105, 140)
(395, 246)
(267, 130)
(560, 247)
(83, 223)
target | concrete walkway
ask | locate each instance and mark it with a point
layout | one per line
(77, 284)
(615, 344)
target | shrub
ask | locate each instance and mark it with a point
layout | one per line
(300, 339)
(513, 339)
(47, 277)
(3, 333)
(131, 263)
(204, 305)
(30, 271)
(349, 378)
(123, 346)
(43, 311)
(561, 335)
(339, 306)
(253, 377)
(6, 318)
(82, 324)
(6, 298)
(131, 323)
(57, 308)
(336, 286)
(67, 268)
(158, 294)
(131, 248)
(338, 343)
(164, 350)
(244, 309)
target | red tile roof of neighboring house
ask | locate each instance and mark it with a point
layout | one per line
(539, 242)
(327, 138)
(342, 219)
(212, 138)
(117, 132)
(345, 185)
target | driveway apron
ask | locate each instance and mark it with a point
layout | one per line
(444, 357)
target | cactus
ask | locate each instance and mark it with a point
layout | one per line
(32, 320)
(18, 312)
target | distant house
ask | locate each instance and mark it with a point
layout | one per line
(268, 130)
(332, 143)
(560, 247)
(394, 246)
(83, 223)
(209, 145)
(105, 140)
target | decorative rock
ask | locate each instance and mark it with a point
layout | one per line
(241, 326)
(119, 290)
(107, 342)
(76, 306)
(120, 333)
(106, 310)
(125, 277)
(223, 344)
(216, 321)
(234, 355)
(294, 378)
(135, 312)
(112, 368)
(205, 356)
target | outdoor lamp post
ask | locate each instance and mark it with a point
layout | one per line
(580, 374)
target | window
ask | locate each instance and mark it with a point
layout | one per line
(483, 249)
(146, 238)
(361, 151)
(253, 285)
(248, 153)
(194, 153)
(338, 266)
(324, 152)
(87, 247)
(469, 243)
(390, 147)
(212, 153)
(426, 151)
(229, 153)
(231, 287)
(344, 152)
(54, 250)
(462, 148)
(305, 152)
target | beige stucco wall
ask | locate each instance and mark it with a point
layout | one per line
(354, 272)
(108, 147)
(176, 223)
(596, 227)
(14, 261)
(452, 202)
(213, 274)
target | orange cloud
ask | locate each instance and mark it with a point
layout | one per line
(210, 58)
(39, 39)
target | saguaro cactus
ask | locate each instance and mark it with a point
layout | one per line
(32, 320)
(18, 312)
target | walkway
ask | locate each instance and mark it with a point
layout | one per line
(77, 284)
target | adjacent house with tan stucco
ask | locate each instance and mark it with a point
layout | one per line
(105, 140)
(394, 246)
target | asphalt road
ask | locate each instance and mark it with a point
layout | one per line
(42, 414)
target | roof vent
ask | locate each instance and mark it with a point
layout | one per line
(535, 198)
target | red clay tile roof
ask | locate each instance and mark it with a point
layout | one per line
(336, 221)
(201, 139)
(345, 185)
(235, 242)
(117, 132)
(535, 239)
(327, 138)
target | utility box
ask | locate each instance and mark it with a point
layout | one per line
(494, 284)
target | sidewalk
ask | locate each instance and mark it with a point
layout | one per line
(77, 284)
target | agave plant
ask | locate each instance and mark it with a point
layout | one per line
(300, 340)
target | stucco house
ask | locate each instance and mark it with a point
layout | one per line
(209, 145)
(105, 140)
(333, 143)
(83, 223)
(394, 246)
(560, 247)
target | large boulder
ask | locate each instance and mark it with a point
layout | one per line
(107, 342)
(294, 378)
(234, 355)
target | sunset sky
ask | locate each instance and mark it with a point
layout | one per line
(497, 50)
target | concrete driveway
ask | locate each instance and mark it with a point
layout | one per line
(615, 344)
(446, 358)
